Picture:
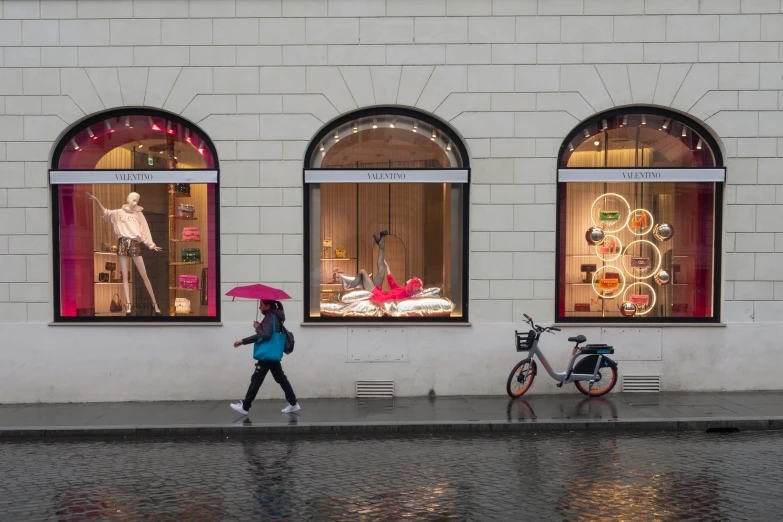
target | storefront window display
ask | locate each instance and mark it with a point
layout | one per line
(385, 217)
(135, 217)
(639, 198)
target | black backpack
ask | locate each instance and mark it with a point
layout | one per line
(288, 347)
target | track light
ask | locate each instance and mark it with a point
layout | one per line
(434, 134)
(448, 147)
(375, 123)
(127, 121)
(415, 126)
(665, 123)
(168, 128)
(76, 146)
(586, 133)
(322, 146)
(644, 119)
(571, 147)
(336, 136)
(698, 145)
(606, 125)
(684, 131)
(187, 135)
(201, 148)
(153, 125)
(393, 122)
(625, 121)
(109, 130)
(355, 127)
(90, 133)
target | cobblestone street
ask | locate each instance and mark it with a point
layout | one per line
(555, 476)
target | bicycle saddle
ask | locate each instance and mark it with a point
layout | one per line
(579, 339)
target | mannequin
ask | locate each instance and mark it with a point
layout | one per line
(130, 227)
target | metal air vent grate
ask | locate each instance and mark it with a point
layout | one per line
(641, 383)
(374, 389)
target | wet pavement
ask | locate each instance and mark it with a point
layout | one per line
(665, 411)
(528, 477)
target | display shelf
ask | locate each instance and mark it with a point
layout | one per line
(188, 218)
(184, 241)
(180, 289)
(338, 259)
(110, 283)
(106, 253)
(182, 263)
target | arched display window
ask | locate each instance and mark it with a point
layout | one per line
(640, 192)
(135, 220)
(386, 213)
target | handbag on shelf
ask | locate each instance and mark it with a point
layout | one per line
(340, 253)
(106, 247)
(188, 281)
(608, 284)
(640, 262)
(116, 304)
(182, 188)
(609, 215)
(191, 234)
(111, 266)
(581, 307)
(103, 277)
(184, 210)
(182, 305)
(204, 286)
(191, 254)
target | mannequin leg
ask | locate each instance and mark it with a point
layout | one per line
(381, 269)
(124, 263)
(139, 262)
(362, 280)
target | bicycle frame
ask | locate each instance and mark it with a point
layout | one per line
(567, 376)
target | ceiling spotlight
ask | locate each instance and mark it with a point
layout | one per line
(187, 135)
(415, 126)
(448, 147)
(665, 123)
(90, 133)
(434, 133)
(644, 119)
(153, 125)
(168, 128)
(322, 146)
(141, 146)
(375, 123)
(127, 121)
(571, 147)
(336, 136)
(698, 145)
(684, 131)
(597, 143)
(76, 147)
(201, 148)
(606, 125)
(109, 130)
(355, 127)
(625, 121)
(393, 122)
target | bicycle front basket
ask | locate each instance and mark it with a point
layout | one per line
(525, 341)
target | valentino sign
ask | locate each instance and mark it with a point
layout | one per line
(59, 177)
(641, 175)
(386, 176)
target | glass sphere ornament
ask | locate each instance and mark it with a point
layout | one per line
(595, 235)
(662, 278)
(628, 309)
(663, 231)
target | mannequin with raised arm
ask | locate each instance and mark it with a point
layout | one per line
(131, 229)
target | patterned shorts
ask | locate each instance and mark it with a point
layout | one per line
(128, 247)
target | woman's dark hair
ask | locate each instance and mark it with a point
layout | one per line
(274, 304)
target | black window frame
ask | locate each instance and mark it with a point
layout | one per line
(456, 141)
(165, 319)
(717, 294)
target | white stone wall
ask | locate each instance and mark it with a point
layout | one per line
(512, 77)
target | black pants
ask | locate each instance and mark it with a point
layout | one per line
(258, 379)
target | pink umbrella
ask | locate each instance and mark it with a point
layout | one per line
(259, 292)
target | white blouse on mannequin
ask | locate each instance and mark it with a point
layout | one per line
(129, 223)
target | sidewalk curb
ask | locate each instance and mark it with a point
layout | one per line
(401, 428)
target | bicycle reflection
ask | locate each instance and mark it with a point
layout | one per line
(594, 408)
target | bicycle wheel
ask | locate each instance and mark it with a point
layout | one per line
(607, 378)
(521, 378)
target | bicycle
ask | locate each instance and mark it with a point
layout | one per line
(595, 369)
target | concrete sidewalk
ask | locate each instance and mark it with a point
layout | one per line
(665, 411)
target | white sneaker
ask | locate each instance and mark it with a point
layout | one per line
(290, 409)
(239, 407)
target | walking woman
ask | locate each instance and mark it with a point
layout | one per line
(274, 317)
